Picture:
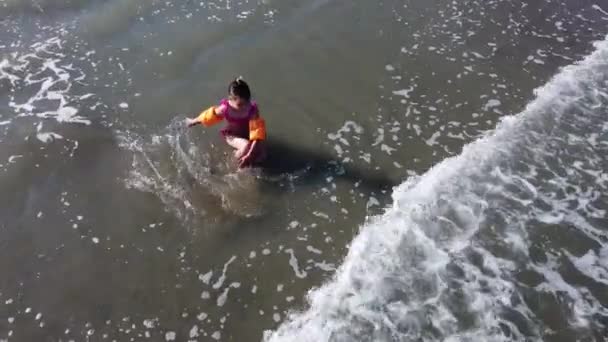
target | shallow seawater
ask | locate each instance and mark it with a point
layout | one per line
(437, 172)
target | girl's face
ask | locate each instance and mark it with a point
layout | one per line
(237, 102)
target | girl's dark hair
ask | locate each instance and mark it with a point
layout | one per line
(239, 88)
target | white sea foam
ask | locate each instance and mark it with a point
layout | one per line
(416, 271)
(52, 76)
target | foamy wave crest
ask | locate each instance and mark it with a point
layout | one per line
(472, 250)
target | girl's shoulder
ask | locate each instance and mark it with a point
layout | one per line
(254, 110)
(222, 108)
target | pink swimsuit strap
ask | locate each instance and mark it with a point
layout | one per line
(252, 111)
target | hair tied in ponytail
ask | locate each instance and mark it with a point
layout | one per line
(239, 88)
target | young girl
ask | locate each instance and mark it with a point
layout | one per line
(245, 131)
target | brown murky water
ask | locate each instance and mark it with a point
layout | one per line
(117, 223)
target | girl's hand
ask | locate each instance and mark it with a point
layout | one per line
(244, 161)
(191, 122)
(247, 158)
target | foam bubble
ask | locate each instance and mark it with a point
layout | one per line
(193, 331)
(205, 278)
(293, 262)
(221, 279)
(149, 323)
(170, 336)
(48, 137)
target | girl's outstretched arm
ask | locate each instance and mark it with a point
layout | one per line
(210, 116)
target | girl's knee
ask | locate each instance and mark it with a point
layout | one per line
(236, 142)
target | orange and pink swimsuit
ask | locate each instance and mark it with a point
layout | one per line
(251, 127)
